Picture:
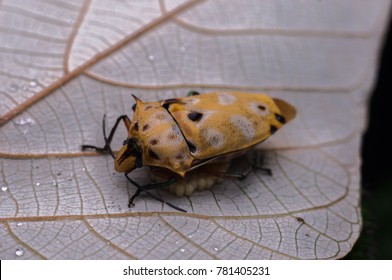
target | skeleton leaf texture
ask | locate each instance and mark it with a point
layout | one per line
(64, 64)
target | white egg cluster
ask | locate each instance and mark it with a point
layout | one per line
(197, 180)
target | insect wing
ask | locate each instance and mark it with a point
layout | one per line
(219, 123)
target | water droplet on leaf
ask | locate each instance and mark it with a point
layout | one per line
(33, 83)
(182, 250)
(4, 189)
(19, 224)
(19, 252)
(38, 184)
(151, 57)
(24, 124)
(25, 121)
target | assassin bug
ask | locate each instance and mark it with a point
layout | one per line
(176, 136)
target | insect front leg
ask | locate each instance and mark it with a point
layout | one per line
(108, 140)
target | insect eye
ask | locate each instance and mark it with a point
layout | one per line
(134, 107)
(130, 142)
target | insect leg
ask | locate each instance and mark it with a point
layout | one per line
(242, 176)
(266, 171)
(151, 186)
(127, 123)
(148, 187)
(257, 163)
(160, 184)
(108, 140)
(245, 173)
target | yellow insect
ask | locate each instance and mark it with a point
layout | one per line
(176, 136)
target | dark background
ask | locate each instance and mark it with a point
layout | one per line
(375, 241)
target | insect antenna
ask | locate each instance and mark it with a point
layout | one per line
(141, 188)
(107, 141)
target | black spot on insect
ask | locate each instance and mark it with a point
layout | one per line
(273, 129)
(136, 126)
(301, 220)
(134, 107)
(191, 146)
(154, 142)
(145, 127)
(280, 118)
(153, 155)
(193, 93)
(261, 107)
(195, 116)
